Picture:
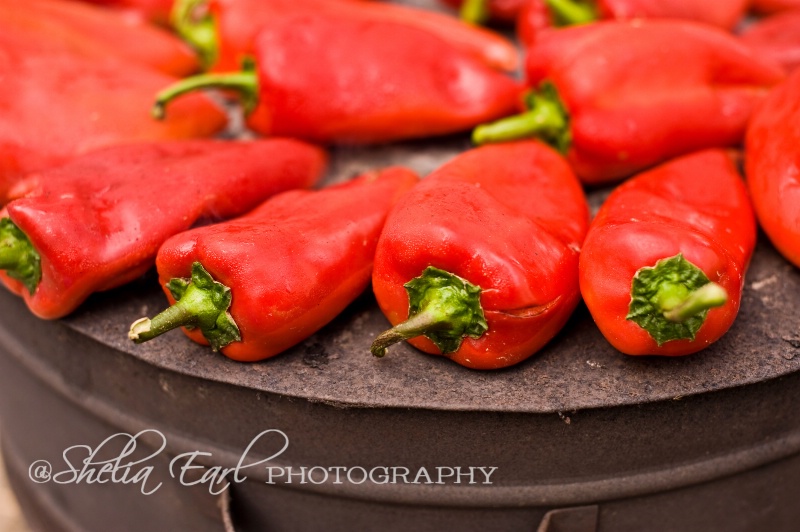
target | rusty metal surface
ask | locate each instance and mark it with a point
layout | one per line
(577, 370)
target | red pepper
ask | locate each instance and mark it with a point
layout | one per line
(618, 97)
(765, 7)
(778, 38)
(333, 79)
(772, 156)
(157, 11)
(228, 31)
(540, 14)
(665, 247)
(98, 221)
(96, 32)
(59, 105)
(479, 262)
(255, 286)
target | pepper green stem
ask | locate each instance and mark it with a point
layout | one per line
(570, 12)
(704, 298)
(244, 82)
(442, 307)
(195, 25)
(475, 11)
(671, 299)
(18, 257)
(546, 119)
(200, 303)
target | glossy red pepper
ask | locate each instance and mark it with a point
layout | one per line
(663, 265)
(540, 14)
(228, 31)
(479, 262)
(59, 105)
(255, 286)
(765, 7)
(341, 80)
(618, 97)
(777, 37)
(98, 221)
(95, 32)
(772, 157)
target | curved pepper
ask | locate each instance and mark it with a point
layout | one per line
(663, 265)
(777, 37)
(772, 158)
(537, 15)
(60, 105)
(479, 262)
(255, 286)
(98, 221)
(96, 32)
(228, 30)
(332, 79)
(618, 97)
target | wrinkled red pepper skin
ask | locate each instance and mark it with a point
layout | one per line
(294, 263)
(641, 92)
(98, 221)
(696, 205)
(97, 32)
(369, 82)
(777, 37)
(509, 218)
(725, 14)
(60, 105)
(239, 21)
(766, 7)
(772, 157)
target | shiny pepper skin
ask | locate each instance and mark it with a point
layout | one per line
(290, 266)
(772, 158)
(507, 218)
(777, 37)
(693, 209)
(638, 93)
(98, 221)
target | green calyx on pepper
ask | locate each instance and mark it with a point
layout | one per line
(442, 307)
(18, 257)
(245, 82)
(195, 25)
(671, 300)
(475, 11)
(200, 302)
(571, 12)
(546, 119)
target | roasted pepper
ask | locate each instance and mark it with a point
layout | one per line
(333, 79)
(255, 286)
(96, 32)
(618, 97)
(772, 157)
(663, 265)
(537, 15)
(777, 37)
(57, 105)
(224, 31)
(479, 262)
(97, 222)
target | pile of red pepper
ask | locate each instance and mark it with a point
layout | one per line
(486, 258)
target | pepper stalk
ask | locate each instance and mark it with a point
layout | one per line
(18, 257)
(244, 82)
(671, 299)
(546, 119)
(195, 25)
(442, 307)
(571, 12)
(200, 302)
